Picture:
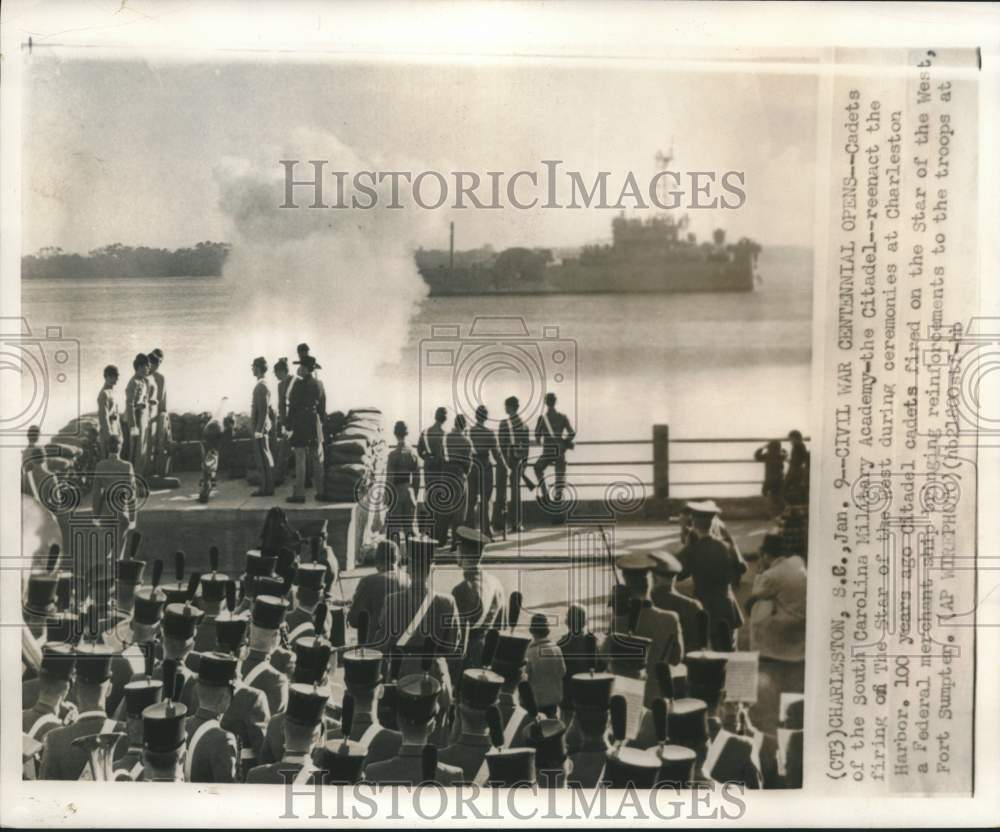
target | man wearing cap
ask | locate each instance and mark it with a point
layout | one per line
(163, 740)
(159, 418)
(135, 419)
(664, 595)
(257, 670)
(303, 730)
(139, 695)
(373, 590)
(306, 413)
(479, 597)
(716, 569)
(402, 475)
(213, 593)
(485, 452)
(108, 422)
(514, 442)
(587, 735)
(308, 586)
(661, 627)
(49, 710)
(212, 753)
(61, 759)
(457, 467)
(418, 616)
(180, 622)
(432, 450)
(555, 434)
(417, 709)
(479, 689)
(260, 421)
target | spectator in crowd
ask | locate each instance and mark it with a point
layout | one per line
(796, 488)
(545, 667)
(773, 456)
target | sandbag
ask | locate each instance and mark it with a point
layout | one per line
(351, 471)
(360, 411)
(66, 450)
(355, 447)
(341, 458)
(351, 434)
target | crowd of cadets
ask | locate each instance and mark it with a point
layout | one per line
(207, 679)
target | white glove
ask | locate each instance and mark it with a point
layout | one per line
(258, 435)
(134, 432)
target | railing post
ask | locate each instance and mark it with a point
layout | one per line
(661, 461)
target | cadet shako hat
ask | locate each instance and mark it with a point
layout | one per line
(177, 590)
(306, 704)
(258, 564)
(676, 763)
(266, 585)
(40, 595)
(511, 650)
(703, 507)
(62, 627)
(362, 667)
(213, 584)
(791, 711)
(480, 688)
(591, 690)
(687, 722)
(140, 695)
(163, 727)
(510, 767)
(310, 575)
(180, 621)
(217, 669)
(93, 663)
(471, 543)
(312, 659)
(631, 768)
(130, 571)
(58, 660)
(231, 630)
(341, 762)
(706, 675)
(416, 698)
(268, 612)
(547, 737)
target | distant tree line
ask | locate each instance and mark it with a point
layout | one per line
(204, 259)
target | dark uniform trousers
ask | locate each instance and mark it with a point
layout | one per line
(480, 493)
(61, 760)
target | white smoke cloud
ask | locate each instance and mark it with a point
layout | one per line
(342, 280)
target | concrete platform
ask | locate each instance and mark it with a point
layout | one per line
(232, 520)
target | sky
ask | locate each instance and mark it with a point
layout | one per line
(151, 153)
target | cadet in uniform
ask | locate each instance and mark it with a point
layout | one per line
(478, 691)
(664, 595)
(180, 621)
(306, 413)
(590, 694)
(309, 583)
(485, 452)
(260, 420)
(417, 710)
(479, 597)
(303, 730)
(432, 450)
(159, 418)
(417, 618)
(61, 759)
(457, 467)
(257, 671)
(402, 475)
(48, 712)
(139, 695)
(373, 590)
(108, 421)
(362, 677)
(212, 752)
(164, 735)
(555, 434)
(136, 416)
(514, 441)
(213, 594)
(716, 569)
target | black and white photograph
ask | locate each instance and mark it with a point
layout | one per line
(445, 420)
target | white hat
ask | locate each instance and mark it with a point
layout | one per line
(703, 507)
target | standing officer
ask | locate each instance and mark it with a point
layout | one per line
(136, 416)
(457, 466)
(281, 430)
(107, 410)
(402, 474)
(664, 595)
(115, 489)
(485, 451)
(514, 441)
(716, 569)
(555, 434)
(260, 419)
(159, 418)
(479, 597)
(306, 413)
(432, 450)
